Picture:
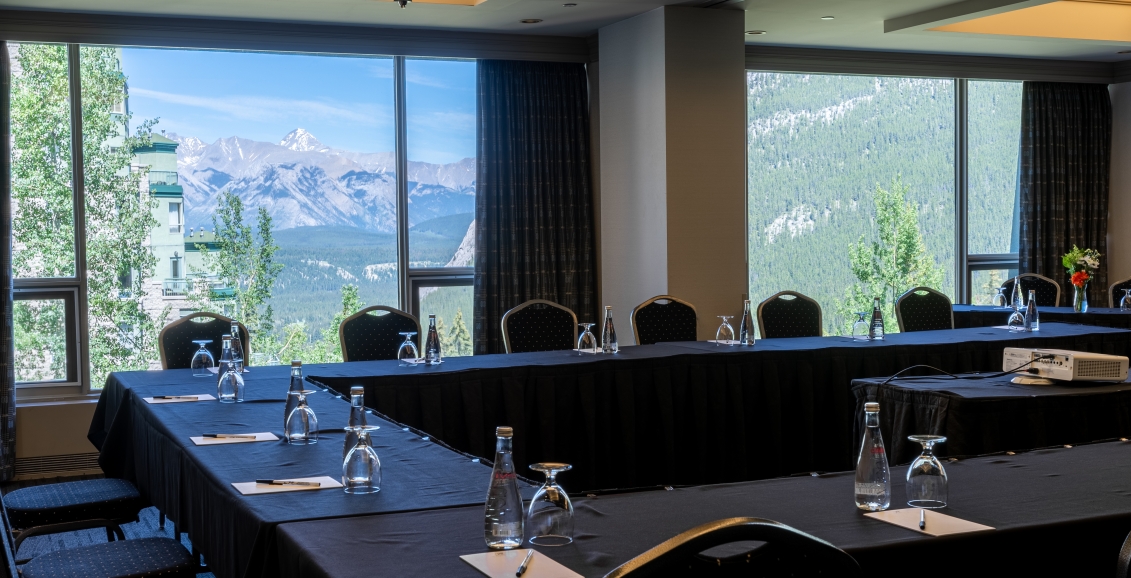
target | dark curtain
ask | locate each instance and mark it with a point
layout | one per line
(1065, 156)
(7, 361)
(533, 201)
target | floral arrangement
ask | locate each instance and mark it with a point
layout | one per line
(1081, 264)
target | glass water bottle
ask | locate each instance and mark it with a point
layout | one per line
(608, 334)
(1032, 317)
(1016, 297)
(432, 343)
(877, 330)
(237, 346)
(503, 514)
(295, 391)
(746, 327)
(357, 418)
(873, 478)
(225, 352)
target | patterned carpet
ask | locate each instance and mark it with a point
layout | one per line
(145, 527)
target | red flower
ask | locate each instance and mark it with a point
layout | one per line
(1079, 278)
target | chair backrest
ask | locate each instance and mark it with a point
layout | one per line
(1123, 566)
(365, 336)
(10, 568)
(664, 318)
(924, 309)
(789, 314)
(786, 552)
(1048, 291)
(176, 339)
(539, 325)
(1115, 292)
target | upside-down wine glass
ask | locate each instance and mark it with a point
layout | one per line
(1016, 320)
(926, 478)
(361, 469)
(202, 360)
(861, 327)
(725, 334)
(1125, 303)
(549, 519)
(408, 354)
(999, 300)
(587, 343)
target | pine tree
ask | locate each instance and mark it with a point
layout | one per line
(459, 338)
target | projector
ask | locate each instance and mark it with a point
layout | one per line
(1064, 365)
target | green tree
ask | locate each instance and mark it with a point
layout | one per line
(895, 261)
(351, 304)
(459, 338)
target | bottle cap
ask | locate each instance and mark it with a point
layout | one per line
(871, 406)
(357, 390)
(226, 336)
(504, 431)
(296, 363)
(746, 302)
(607, 307)
(431, 315)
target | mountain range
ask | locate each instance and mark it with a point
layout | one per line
(304, 183)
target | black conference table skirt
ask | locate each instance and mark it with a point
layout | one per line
(986, 316)
(980, 416)
(1060, 512)
(679, 413)
(149, 445)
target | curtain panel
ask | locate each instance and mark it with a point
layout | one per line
(535, 234)
(1064, 170)
(7, 357)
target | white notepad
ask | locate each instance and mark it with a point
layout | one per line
(216, 370)
(199, 397)
(259, 437)
(504, 564)
(252, 488)
(725, 341)
(938, 523)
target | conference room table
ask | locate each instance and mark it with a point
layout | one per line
(984, 414)
(1055, 512)
(684, 413)
(988, 316)
(149, 445)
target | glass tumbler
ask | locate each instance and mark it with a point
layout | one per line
(587, 343)
(202, 360)
(549, 519)
(860, 328)
(926, 478)
(407, 354)
(361, 469)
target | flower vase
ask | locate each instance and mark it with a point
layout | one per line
(1080, 300)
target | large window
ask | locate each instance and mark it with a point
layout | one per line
(273, 188)
(852, 189)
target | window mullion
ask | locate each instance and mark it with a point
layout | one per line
(78, 187)
(961, 192)
(401, 145)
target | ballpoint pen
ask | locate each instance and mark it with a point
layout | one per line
(922, 519)
(231, 436)
(525, 563)
(192, 397)
(288, 483)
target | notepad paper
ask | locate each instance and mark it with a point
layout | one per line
(938, 523)
(504, 564)
(199, 397)
(216, 370)
(725, 341)
(594, 350)
(252, 488)
(259, 437)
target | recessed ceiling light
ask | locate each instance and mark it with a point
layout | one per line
(755, 32)
(827, 17)
(570, 5)
(531, 21)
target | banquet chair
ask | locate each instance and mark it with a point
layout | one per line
(366, 336)
(664, 318)
(789, 314)
(924, 309)
(1115, 292)
(539, 325)
(137, 558)
(1048, 291)
(176, 340)
(786, 552)
(30, 510)
(1123, 568)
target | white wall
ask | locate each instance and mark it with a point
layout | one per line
(1119, 200)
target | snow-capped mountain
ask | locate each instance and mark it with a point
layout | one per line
(302, 182)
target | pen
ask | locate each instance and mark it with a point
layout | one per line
(192, 397)
(231, 436)
(289, 483)
(922, 519)
(526, 562)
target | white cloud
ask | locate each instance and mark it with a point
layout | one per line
(443, 120)
(258, 108)
(414, 77)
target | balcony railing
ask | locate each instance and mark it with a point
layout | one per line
(179, 287)
(173, 287)
(162, 178)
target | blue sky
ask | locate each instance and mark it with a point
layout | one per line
(346, 102)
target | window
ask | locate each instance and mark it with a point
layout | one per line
(259, 185)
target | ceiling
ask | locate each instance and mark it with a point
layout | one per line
(856, 24)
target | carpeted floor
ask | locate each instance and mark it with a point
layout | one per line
(145, 527)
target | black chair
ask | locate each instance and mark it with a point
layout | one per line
(116, 501)
(121, 558)
(789, 314)
(176, 339)
(366, 336)
(786, 552)
(664, 318)
(539, 325)
(1048, 291)
(1115, 292)
(1123, 567)
(924, 309)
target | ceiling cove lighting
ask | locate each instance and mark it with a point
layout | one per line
(404, 3)
(1106, 20)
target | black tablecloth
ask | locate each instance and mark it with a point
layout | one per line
(1060, 512)
(980, 416)
(149, 445)
(679, 413)
(986, 316)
